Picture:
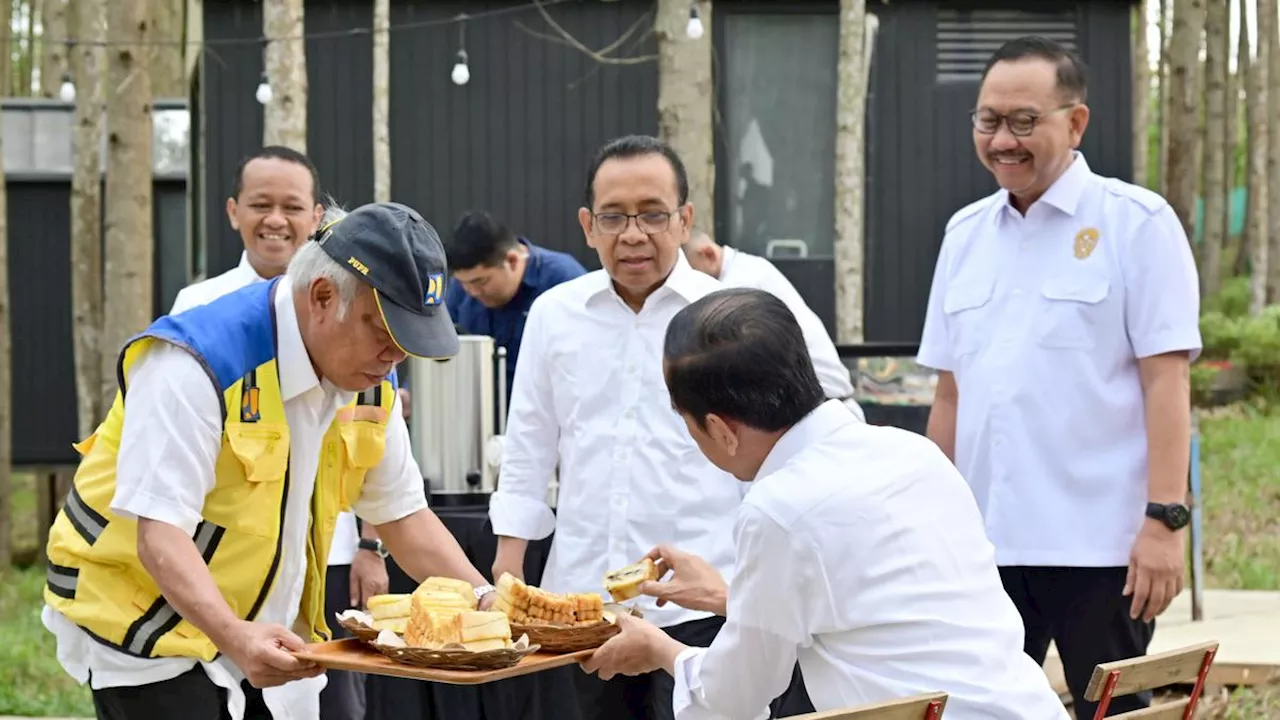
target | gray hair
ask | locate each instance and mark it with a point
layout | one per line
(311, 263)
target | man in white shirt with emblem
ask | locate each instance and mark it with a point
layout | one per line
(275, 207)
(860, 550)
(589, 396)
(1062, 319)
(735, 268)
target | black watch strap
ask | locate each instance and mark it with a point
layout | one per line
(373, 546)
(1175, 516)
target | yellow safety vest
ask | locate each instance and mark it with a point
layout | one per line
(94, 576)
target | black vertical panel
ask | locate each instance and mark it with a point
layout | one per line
(233, 117)
(1106, 41)
(517, 138)
(340, 98)
(44, 391)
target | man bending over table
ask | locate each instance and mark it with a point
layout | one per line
(859, 549)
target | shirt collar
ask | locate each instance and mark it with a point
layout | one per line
(246, 267)
(532, 265)
(297, 375)
(682, 280)
(825, 419)
(727, 255)
(1064, 194)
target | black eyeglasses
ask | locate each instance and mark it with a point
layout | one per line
(651, 222)
(1021, 123)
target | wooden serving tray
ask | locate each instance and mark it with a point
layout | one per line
(353, 654)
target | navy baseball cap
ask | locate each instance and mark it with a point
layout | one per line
(391, 248)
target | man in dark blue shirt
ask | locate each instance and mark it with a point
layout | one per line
(496, 276)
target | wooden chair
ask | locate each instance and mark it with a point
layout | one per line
(1125, 677)
(916, 707)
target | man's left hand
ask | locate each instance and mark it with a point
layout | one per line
(368, 577)
(639, 648)
(1156, 566)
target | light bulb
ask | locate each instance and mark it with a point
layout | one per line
(68, 90)
(461, 73)
(694, 29)
(263, 94)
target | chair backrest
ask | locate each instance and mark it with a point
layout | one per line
(1125, 677)
(917, 707)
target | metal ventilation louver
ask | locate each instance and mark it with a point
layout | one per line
(966, 38)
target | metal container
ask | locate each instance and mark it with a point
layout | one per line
(453, 418)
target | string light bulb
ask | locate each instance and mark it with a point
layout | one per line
(694, 29)
(461, 73)
(68, 90)
(264, 93)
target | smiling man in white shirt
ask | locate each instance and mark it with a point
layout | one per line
(1063, 317)
(735, 268)
(859, 549)
(589, 396)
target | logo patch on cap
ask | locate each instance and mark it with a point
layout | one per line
(435, 289)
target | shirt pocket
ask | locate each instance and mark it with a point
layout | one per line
(1073, 304)
(967, 305)
(247, 499)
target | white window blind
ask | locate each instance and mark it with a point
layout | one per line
(966, 38)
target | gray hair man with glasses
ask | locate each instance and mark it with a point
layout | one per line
(589, 398)
(1063, 316)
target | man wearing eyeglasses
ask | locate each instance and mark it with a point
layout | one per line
(589, 395)
(1062, 319)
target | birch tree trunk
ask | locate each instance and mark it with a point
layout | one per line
(1163, 100)
(1257, 107)
(130, 245)
(6, 385)
(168, 30)
(851, 103)
(1232, 140)
(89, 20)
(1273, 154)
(1243, 76)
(285, 117)
(381, 101)
(1217, 57)
(1141, 95)
(1182, 165)
(686, 101)
(53, 48)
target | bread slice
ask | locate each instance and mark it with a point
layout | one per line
(396, 625)
(461, 588)
(386, 607)
(587, 608)
(486, 645)
(433, 629)
(624, 583)
(424, 600)
(478, 625)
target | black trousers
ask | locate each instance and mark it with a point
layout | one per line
(191, 696)
(343, 697)
(1082, 611)
(648, 697)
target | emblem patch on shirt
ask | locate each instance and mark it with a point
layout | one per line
(249, 405)
(435, 289)
(1086, 241)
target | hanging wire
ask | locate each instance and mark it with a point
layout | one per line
(329, 34)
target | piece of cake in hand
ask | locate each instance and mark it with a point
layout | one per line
(390, 612)
(485, 630)
(624, 583)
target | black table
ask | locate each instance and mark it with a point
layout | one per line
(548, 695)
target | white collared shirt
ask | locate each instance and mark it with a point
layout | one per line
(1042, 319)
(861, 554)
(346, 538)
(168, 450)
(740, 269)
(589, 394)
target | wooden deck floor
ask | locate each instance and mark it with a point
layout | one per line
(1245, 623)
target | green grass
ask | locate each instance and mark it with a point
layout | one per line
(33, 681)
(1240, 466)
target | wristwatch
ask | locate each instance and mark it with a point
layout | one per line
(482, 590)
(1175, 516)
(374, 546)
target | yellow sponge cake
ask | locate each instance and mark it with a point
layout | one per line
(390, 612)
(624, 583)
